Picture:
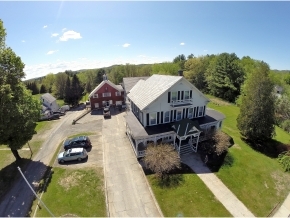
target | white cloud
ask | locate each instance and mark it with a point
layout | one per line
(64, 29)
(23, 41)
(51, 52)
(70, 35)
(44, 26)
(205, 50)
(126, 45)
(182, 43)
(54, 34)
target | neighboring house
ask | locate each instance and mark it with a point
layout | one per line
(49, 101)
(106, 94)
(169, 109)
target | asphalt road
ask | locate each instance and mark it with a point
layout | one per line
(18, 200)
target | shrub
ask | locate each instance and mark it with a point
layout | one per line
(284, 160)
(161, 159)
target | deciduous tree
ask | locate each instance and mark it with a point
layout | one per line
(161, 159)
(19, 111)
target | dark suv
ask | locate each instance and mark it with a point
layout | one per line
(77, 142)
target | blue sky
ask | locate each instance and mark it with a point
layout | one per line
(60, 35)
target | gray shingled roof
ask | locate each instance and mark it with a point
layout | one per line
(130, 82)
(144, 93)
(48, 97)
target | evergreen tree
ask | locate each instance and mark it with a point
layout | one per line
(42, 89)
(257, 111)
(68, 94)
(76, 90)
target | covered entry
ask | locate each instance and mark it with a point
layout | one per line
(187, 135)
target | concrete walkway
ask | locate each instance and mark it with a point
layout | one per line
(284, 210)
(221, 192)
(128, 192)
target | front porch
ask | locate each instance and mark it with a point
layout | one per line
(183, 135)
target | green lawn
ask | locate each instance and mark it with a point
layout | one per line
(190, 198)
(75, 192)
(256, 179)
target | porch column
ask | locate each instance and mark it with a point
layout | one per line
(197, 142)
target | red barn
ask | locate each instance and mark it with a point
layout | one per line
(106, 94)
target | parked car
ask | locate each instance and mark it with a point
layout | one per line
(72, 154)
(77, 142)
(107, 112)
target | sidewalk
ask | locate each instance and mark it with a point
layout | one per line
(221, 192)
(284, 210)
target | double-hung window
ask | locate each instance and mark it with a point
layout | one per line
(95, 95)
(186, 95)
(107, 94)
(153, 118)
(173, 96)
(118, 94)
(190, 113)
(200, 111)
(166, 117)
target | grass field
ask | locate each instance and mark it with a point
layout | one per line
(190, 198)
(256, 179)
(75, 193)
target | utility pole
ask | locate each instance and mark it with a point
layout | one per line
(34, 192)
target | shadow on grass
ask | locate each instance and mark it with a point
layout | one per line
(173, 179)
(271, 148)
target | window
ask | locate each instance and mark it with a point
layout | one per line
(178, 115)
(153, 118)
(95, 95)
(107, 94)
(190, 113)
(166, 117)
(173, 96)
(96, 105)
(186, 95)
(200, 111)
(118, 93)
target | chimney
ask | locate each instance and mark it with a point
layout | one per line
(180, 73)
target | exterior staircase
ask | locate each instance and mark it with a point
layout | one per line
(185, 149)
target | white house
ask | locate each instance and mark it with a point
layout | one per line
(49, 101)
(169, 109)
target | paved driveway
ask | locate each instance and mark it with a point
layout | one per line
(127, 188)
